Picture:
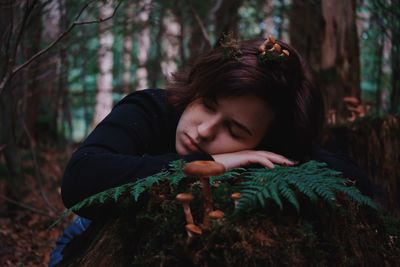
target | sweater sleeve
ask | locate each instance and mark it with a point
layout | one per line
(132, 142)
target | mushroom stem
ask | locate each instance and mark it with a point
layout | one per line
(208, 201)
(235, 197)
(185, 199)
(188, 213)
(203, 170)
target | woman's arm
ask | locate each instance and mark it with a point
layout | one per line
(135, 140)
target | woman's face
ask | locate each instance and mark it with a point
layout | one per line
(229, 125)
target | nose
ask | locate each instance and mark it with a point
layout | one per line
(207, 129)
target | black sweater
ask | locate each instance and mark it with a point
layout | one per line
(137, 139)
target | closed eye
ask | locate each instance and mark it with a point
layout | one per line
(210, 104)
(232, 132)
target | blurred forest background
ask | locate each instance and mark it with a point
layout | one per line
(63, 64)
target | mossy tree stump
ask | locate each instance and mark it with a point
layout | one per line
(152, 233)
(374, 143)
(349, 235)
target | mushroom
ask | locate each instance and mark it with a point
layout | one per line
(285, 53)
(216, 215)
(277, 48)
(203, 170)
(185, 199)
(235, 196)
(192, 229)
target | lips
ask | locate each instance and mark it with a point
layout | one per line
(192, 145)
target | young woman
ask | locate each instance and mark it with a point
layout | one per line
(241, 104)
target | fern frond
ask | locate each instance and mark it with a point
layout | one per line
(313, 179)
(176, 173)
(227, 176)
(288, 194)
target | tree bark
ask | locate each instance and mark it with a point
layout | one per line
(13, 25)
(127, 47)
(325, 32)
(374, 144)
(104, 99)
(395, 58)
(227, 17)
(144, 44)
(155, 66)
(170, 44)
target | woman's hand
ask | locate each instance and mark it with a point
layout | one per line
(247, 157)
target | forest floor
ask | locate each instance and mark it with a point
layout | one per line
(25, 236)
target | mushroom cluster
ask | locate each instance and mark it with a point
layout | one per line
(202, 170)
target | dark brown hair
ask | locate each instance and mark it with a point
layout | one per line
(285, 84)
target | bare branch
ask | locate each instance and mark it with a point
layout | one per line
(15, 70)
(100, 19)
(200, 24)
(29, 9)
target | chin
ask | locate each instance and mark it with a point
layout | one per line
(180, 150)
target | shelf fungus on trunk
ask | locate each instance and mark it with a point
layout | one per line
(203, 170)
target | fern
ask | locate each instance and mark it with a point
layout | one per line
(134, 189)
(313, 179)
(227, 176)
(176, 172)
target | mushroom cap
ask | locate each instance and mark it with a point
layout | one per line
(351, 100)
(235, 196)
(285, 52)
(203, 168)
(194, 229)
(184, 197)
(216, 214)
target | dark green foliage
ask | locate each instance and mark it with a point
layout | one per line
(258, 187)
(313, 179)
(133, 189)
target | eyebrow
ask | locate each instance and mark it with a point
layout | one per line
(241, 126)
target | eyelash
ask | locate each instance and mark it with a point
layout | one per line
(232, 133)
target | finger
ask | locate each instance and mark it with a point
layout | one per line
(265, 162)
(279, 159)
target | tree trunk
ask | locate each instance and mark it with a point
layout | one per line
(13, 23)
(127, 47)
(144, 44)
(104, 99)
(198, 43)
(155, 64)
(227, 17)
(374, 144)
(44, 75)
(325, 32)
(395, 58)
(170, 44)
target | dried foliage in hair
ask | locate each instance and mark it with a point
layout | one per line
(231, 46)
